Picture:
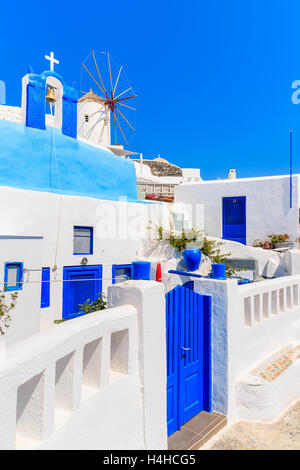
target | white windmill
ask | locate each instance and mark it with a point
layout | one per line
(104, 116)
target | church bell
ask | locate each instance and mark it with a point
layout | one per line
(50, 97)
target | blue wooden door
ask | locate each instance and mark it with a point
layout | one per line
(234, 219)
(188, 319)
(80, 283)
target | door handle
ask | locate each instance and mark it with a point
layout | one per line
(186, 349)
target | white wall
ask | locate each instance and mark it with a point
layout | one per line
(191, 175)
(94, 382)
(25, 317)
(120, 229)
(267, 204)
(250, 324)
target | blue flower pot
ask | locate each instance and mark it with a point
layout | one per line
(218, 271)
(192, 258)
(141, 270)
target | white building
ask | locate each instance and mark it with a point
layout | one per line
(127, 376)
(246, 209)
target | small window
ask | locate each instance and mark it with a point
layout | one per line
(181, 223)
(121, 272)
(86, 118)
(83, 241)
(13, 276)
(45, 289)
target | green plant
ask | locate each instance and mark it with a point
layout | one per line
(7, 303)
(88, 306)
(93, 305)
(209, 248)
(212, 249)
(178, 240)
(280, 238)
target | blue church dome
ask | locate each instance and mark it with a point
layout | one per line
(49, 161)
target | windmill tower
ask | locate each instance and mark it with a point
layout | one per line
(93, 119)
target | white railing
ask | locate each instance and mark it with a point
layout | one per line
(49, 375)
(262, 300)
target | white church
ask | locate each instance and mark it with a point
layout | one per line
(162, 354)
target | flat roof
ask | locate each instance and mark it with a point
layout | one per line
(240, 180)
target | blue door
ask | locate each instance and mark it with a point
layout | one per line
(234, 219)
(80, 283)
(188, 323)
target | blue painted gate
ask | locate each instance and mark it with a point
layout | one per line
(188, 325)
(234, 219)
(80, 283)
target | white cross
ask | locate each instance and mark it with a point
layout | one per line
(52, 60)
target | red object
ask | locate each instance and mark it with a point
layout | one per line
(158, 272)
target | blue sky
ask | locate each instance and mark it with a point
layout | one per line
(213, 78)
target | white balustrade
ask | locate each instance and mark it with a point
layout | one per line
(45, 376)
(262, 300)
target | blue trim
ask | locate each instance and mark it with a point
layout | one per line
(207, 353)
(45, 288)
(116, 266)
(71, 271)
(19, 284)
(91, 236)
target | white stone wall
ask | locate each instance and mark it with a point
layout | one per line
(120, 232)
(25, 317)
(10, 113)
(93, 382)
(251, 323)
(267, 204)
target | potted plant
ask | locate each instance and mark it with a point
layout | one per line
(280, 240)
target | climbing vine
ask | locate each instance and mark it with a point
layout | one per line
(7, 304)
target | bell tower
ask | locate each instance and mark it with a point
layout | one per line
(35, 89)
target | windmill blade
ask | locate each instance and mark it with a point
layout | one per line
(115, 128)
(93, 78)
(102, 131)
(126, 106)
(111, 83)
(117, 79)
(121, 129)
(91, 115)
(92, 129)
(127, 98)
(123, 92)
(104, 91)
(126, 119)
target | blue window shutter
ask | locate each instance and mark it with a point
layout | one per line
(13, 276)
(45, 289)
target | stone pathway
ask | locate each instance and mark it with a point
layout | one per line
(283, 434)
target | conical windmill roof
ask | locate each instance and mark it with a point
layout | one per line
(91, 96)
